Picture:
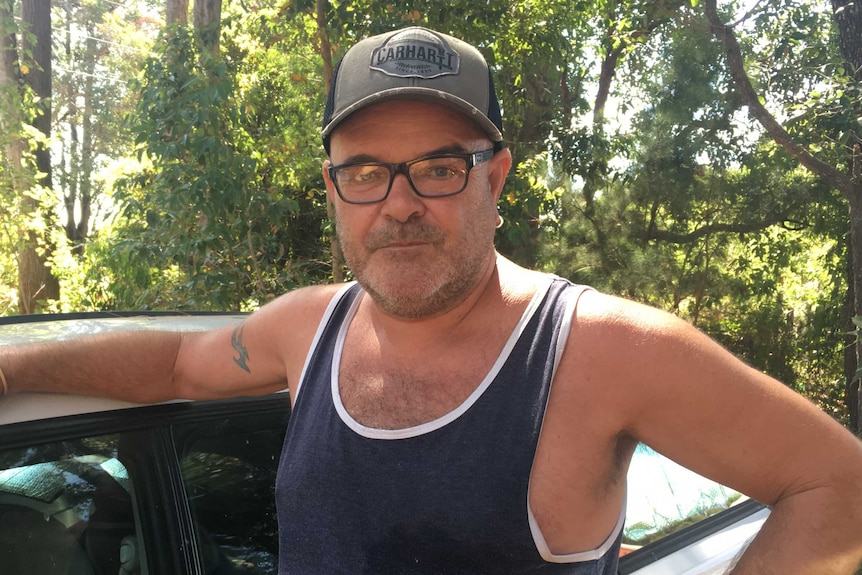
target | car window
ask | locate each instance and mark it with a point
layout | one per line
(66, 507)
(664, 497)
(228, 468)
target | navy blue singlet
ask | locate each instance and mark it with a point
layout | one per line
(445, 497)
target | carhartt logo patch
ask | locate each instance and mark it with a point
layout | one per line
(415, 54)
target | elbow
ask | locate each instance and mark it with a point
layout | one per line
(845, 500)
(182, 385)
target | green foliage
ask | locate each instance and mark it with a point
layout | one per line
(25, 206)
(226, 214)
(665, 192)
(527, 45)
(684, 207)
(800, 68)
(90, 98)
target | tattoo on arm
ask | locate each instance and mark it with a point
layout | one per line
(236, 341)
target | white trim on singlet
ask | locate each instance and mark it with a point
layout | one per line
(580, 557)
(417, 430)
(372, 433)
(319, 333)
(538, 537)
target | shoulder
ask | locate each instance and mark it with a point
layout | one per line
(306, 302)
(663, 376)
(639, 358)
(296, 313)
(611, 325)
(286, 325)
(638, 372)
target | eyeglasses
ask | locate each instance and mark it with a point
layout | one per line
(435, 176)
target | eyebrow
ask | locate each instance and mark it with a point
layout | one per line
(367, 159)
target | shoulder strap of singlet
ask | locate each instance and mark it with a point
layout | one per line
(348, 292)
(570, 302)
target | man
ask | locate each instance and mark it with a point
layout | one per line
(457, 413)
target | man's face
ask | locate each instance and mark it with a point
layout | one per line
(417, 257)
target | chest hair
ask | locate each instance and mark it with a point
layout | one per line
(383, 389)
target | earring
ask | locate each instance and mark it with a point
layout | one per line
(499, 221)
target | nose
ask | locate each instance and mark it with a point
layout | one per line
(403, 202)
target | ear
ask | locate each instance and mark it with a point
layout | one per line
(498, 169)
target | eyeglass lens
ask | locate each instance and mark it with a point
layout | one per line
(430, 177)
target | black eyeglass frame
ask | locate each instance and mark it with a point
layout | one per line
(472, 160)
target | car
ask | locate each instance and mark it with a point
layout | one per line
(92, 486)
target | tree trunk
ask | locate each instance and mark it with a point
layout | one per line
(77, 164)
(848, 19)
(85, 181)
(851, 385)
(11, 118)
(855, 281)
(326, 54)
(35, 280)
(69, 162)
(176, 12)
(36, 14)
(207, 21)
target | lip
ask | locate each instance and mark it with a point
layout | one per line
(402, 245)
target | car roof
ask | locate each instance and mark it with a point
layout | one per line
(48, 327)
(19, 407)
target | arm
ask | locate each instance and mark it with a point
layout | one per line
(259, 355)
(681, 393)
(134, 366)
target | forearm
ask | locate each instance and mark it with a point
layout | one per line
(135, 366)
(817, 531)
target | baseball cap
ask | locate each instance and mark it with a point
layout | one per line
(418, 64)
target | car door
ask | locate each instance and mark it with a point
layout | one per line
(226, 462)
(68, 504)
(182, 488)
(188, 488)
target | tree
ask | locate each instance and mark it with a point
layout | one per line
(321, 9)
(87, 105)
(846, 179)
(678, 205)
(632, 172)
(35, 279)
(27, 72)
(227, 211)
(176, 12)
(207, 22)
(15, 175)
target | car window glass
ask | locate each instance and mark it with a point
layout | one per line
(66, 507)
(664, 497)
(228, 469)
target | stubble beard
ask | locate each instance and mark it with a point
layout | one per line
(416, 284)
